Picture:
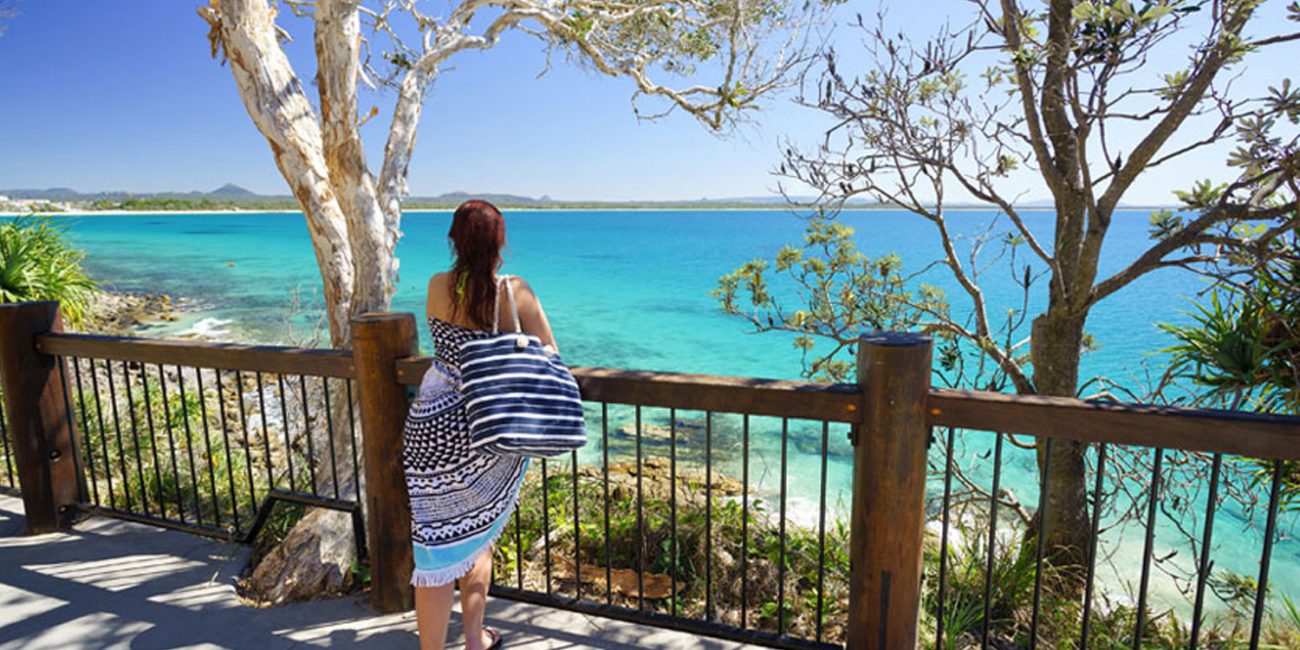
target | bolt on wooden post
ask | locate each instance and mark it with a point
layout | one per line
(378, 341)
(888, 509)
(40, 425)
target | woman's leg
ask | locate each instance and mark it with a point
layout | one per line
(432, 611)
(473, 600)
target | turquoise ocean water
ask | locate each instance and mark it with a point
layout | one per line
(630, 290)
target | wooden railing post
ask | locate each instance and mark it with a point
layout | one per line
(888, 491)
(378, 341)
(39, 422)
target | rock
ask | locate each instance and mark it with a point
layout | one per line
(623, 582)
(687, 431)
(314, 560)
(725, 559)
(123, 312)
(656, 480)
(655, 432)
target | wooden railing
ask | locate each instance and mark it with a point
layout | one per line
(891, 413)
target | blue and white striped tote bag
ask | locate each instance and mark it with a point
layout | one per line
(519, 398)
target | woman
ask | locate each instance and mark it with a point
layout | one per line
(461, 499)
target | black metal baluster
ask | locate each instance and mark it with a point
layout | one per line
(1092, 546)
(225, 437)
(604, 447)
(641, 537)
(266, 436)
(641, 533)
(306, 433)
(943, 539)
(708, 515)
(993, 538)
(288, 442)
(1270, 531)
(103, 433)
(207, 443)
(519, 550)
(85, 419)
(1147, 549)
(9, 450)
(248, 446)
(744, 522)
(577, 533)
(153, 435)
(135, 437)
(171, 441)
(546, 524)
(1042, 541)
(352, 429)
(117, 428)
(672, 501)
(821, 531)
(329, 429)
(72, 416)
(1203, 567)
(154, 445)
(780, 580)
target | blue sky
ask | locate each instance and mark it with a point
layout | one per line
(124, 96)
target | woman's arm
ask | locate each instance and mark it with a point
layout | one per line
(531, 316)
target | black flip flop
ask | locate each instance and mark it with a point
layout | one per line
(497, 641)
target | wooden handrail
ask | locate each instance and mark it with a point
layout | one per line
(226, 356)
(770, 397)
(1206, 430)
(1203, 430)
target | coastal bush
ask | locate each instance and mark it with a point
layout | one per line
(692, 541)
(37, 262)
(1242, 347)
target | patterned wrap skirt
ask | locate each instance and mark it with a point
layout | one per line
(460, 499)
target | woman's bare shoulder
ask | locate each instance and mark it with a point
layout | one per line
(520, 285)
(434, 303)
(523, 292)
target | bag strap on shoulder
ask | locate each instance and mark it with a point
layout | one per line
(514, 310)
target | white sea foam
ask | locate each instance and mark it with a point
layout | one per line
(208, 328)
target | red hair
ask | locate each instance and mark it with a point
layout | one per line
(478, 231)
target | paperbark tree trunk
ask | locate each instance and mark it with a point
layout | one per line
(338, 56)
(326, 170)
(275, 100)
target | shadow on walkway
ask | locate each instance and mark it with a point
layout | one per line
(116, 584)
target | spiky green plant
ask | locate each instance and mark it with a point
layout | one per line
(37, 262)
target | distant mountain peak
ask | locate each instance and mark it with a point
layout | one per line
(230, 189)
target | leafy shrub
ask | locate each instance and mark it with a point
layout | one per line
(38, 263)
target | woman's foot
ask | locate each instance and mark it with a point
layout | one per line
(491, 641)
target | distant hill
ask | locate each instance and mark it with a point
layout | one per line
(231, 191)
(231, 196)
(461, 197)
(227, 192)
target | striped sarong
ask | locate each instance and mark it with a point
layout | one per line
(460, 498)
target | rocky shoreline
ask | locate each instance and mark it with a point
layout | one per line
(121, 313)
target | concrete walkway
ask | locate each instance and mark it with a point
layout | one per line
(115, 584)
